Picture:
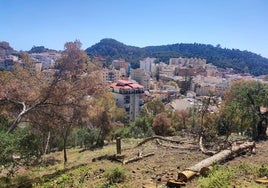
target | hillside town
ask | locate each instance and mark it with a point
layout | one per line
(94, 102)
(180, 83)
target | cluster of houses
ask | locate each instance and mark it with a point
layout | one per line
(192, 77)
(198, 78)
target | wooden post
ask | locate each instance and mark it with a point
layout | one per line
(118, 146)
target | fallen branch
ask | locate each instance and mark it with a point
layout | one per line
(139, 157)
(176, 147)
(217, 158)
(158, 137)
(109, 157)
(203, 149)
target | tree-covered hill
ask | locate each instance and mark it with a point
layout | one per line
(5, 49)
(112, 49)
(40, 49)
(225, 58)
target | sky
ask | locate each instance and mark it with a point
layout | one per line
(234, 24)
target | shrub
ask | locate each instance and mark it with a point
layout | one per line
(218, 178)
(115, 175)
(263, 171)
(124, 132)
(141, 128)
(162, 125)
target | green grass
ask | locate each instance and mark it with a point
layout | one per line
(115, 175)
(218, 178)
(239, 176)
(80, 171)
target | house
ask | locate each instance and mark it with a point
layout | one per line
(128, 96)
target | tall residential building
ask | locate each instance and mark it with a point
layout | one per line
(110, 75)
(121, 65)
(147, 64)
(141, 77)
(128, 96)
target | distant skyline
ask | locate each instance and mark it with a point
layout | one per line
(238, 24)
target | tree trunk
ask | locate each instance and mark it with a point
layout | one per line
(48, 139)
(217, 158)
(64, 151)
(24, 111)
(261, 128)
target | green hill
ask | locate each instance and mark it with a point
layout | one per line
(221, 57)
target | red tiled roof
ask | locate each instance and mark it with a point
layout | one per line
(125, 84)
(134, 85)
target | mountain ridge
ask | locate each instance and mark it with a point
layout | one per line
(240, 61)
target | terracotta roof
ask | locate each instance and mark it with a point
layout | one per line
(125, 84)
(134, 85)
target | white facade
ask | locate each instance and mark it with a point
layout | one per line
(147, 64)
(141, 77)
(128, 96)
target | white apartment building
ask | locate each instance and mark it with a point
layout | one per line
(141, 77)
(128, 96)
(147, 64)
(110, 75)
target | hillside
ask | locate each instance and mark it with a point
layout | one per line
(5, 49)
(112, 49)
(240, 61)
(40, 49)
(153, 171)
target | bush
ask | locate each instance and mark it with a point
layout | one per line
(141, 128)
(83, 137)
(124, 132)
(218, 178)
(263, 171)
(115, 175)
(162, 125)
(18, 148)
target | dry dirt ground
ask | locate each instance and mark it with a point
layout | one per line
(149, 172)
(156, 170)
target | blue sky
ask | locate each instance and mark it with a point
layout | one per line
(239, 24)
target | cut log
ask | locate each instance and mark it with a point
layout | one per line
(262, 180)
(186, 175)
(204, 171)
(139, 157)
(175, 183)
(217, 158)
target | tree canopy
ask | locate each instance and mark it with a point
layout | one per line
(245, 108)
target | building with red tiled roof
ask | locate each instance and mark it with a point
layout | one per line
(128, 96)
